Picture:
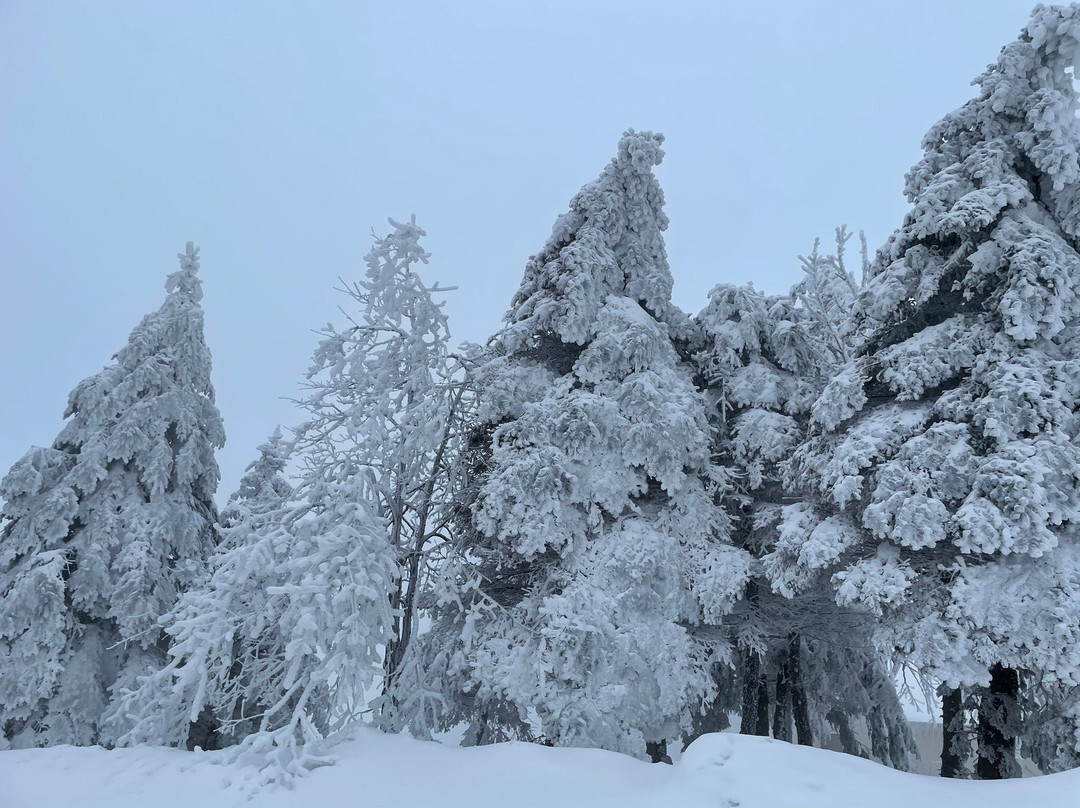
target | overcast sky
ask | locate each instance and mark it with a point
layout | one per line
(277, 135)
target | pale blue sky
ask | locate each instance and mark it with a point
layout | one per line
(277, 135)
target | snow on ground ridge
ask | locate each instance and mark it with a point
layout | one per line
(376, 770)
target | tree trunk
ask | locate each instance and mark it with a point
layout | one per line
(403, 599)
(394, 647)
(657, 751)
(763, 704)
(781, 724)
(714, 716)
(755, 700)
(848, 743)
(406, 603)
(751, 667)
(799, 710)
(952, 729)
(755, 696)
(999, 714)
(203, 733)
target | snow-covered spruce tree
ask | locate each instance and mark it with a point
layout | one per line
(205, 695)
(264, 488)
(279, 647)
(757, 397)
(945, 468)
(597, 541)
(386, 395)
(103, 531)
(321, 583)
(766, 359)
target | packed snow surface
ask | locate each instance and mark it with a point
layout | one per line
(375, 770)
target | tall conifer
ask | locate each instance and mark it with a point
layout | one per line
(103, 530)
(945, 456)
(598, 540)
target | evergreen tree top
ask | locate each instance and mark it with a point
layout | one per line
(264, 476)
(154, 405)
(103, 531)
(609, 242)
(185, 281)
(995, 216)
(155, 397)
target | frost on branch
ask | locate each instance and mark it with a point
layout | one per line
(955, 448)
(103, 531)
(277, 649)
(594, 540)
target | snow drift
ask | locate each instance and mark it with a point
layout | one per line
(376, 770)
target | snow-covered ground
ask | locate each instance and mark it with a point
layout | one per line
(376, 770)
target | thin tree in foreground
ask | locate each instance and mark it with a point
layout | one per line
(385, 394)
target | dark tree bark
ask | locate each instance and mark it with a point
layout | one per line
(998, 719)
(714, 715)
(657, 751)
(781, 724)
(405, 603)
(755, 697)
(799, 710)
(842, 724)
(952, 729)
(763, 705)
(203, 733)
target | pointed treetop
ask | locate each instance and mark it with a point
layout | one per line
(273, 443)
(185, 280)
(264, 484)
(273, 457)
(609, 242)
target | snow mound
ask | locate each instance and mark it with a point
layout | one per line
(376, 770)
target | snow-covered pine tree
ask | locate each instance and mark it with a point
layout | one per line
(766, 359)
(279, 647)
(761, 378)
(205, 695)
(320, 584)
(945, 468)
(264, 488)
(597, 542)
(104, 530)
(386, 395)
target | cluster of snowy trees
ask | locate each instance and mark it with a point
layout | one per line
(616, 524)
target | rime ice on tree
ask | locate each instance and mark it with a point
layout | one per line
(311, 585)
(210, 691)
(948, 446)
(385, 395)
(802, 664)
(106, 528)
(595, 531)
(276, 649)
